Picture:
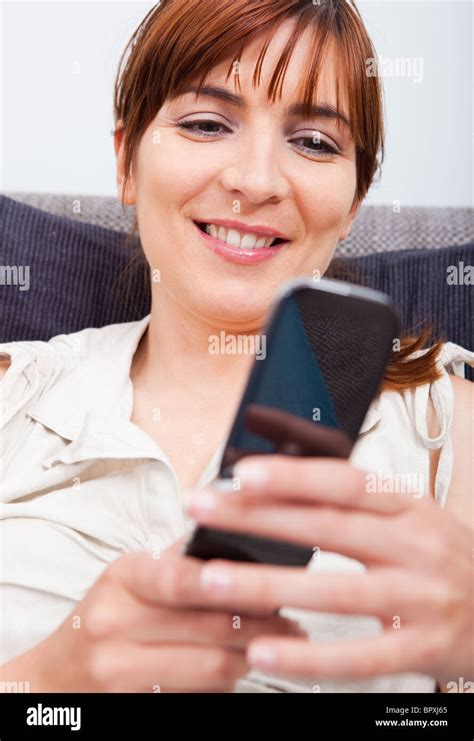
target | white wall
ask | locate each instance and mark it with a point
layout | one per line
(429, 123)
(55, 124)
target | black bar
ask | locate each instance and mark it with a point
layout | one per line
(308, 715)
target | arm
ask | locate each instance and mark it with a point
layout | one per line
(418, 558)
(461, 494)
(31, 666)
(144, 627)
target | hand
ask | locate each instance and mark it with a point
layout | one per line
(419, 577)
(146, 626)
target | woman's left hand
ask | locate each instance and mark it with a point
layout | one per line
(418, 582)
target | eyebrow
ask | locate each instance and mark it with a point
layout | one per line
(322, 110)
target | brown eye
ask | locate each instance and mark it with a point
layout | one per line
(204, 124)
(319, 148)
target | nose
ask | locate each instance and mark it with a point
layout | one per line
(256, 172)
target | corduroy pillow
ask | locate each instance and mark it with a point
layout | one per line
(58, 275)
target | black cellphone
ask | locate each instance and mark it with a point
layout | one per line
(327, 344)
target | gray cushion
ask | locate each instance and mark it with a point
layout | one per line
(377, 228)
(80, 276)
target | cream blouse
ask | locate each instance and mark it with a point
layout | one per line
(80, 485)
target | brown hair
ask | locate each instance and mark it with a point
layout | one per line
(179, 42)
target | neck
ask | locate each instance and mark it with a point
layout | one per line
(177, 349)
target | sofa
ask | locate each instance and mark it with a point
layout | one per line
(84, 268)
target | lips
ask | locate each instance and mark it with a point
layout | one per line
(259, 230)
(239, 238)
(240, 254)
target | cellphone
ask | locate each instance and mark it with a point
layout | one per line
(327, 344)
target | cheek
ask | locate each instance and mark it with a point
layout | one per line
(327, 203)
(324, 207)
(167, 175)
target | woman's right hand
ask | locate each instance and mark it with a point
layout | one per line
(145, 626)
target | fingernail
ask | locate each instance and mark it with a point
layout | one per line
(262, 655)
(202, 501)
(251, 473)
(216, 579)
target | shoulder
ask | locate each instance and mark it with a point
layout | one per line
(463, 391)
(432, 420)
(76, 363)
(61, 349)
(54, 355)
(450, 410)
(463, 416)
(460, 500)
(457, 394)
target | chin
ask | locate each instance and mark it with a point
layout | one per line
(233, 307)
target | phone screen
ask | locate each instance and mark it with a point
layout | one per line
(322, 358)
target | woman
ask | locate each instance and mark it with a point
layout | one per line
(103, 428)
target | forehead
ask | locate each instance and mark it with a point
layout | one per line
(242, 71)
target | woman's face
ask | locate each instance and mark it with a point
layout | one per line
(250, 162)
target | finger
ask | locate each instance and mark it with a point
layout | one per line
(146, 689)
(384, 593)
(169, 666)
(226, 629)
(405, 650)
(229, 630)
(320, 480)
(139, 621)
(223, 688)
(368, 537)
(170, 581)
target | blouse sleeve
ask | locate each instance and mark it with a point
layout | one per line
(22, 379)
(34, 367)
(452, 360)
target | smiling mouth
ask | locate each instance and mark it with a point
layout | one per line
(231, 236)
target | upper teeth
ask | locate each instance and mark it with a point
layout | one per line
(238, 239)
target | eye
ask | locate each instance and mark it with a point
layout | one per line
(317, 146)
(205, 123)
(207, 129)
